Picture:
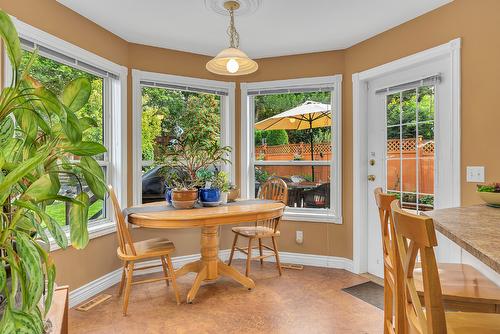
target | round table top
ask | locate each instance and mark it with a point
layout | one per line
(208, 216)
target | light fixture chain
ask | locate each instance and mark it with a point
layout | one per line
(234, 37)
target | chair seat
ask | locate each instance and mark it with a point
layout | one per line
(255, 231)
(148, 248)
(468, 322)
(462, 283)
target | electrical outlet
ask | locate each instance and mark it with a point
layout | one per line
(475, 174)
(299, 237)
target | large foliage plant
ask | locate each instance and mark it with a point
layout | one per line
(40, 141)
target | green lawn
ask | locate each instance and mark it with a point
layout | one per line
(58, 211)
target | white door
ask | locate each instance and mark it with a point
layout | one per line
(409, 145)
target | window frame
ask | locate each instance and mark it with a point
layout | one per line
(227, 110)
(248, 162)
(114, 115)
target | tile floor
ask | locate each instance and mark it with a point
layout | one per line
(307, 301)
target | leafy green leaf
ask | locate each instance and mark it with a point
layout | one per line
(49, 103)
(87, 123)
(31, 264)
(7, 323)
(39, 189)
(78, 222)
(72, 127)
(51, 278)
(94, 176)
(26, 323)
(6, 129)
(3, 276)
(86, 148)
(12, 43)
(21, 170)
(76, 94)
(52, 225)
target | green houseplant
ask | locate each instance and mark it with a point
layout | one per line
(192, 150)
(40, 140)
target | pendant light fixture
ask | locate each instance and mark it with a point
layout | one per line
(232, 61)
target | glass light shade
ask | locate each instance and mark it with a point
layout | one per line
(219, 64)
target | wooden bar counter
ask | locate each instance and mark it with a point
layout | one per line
(474, 228)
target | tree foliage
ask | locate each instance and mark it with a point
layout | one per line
(403, 116)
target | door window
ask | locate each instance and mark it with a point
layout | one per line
(410, 147)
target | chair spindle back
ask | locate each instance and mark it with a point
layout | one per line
(277, 190)
(416, 235)
(122, 231)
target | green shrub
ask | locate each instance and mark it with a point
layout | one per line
(276, 137)
(258, 137)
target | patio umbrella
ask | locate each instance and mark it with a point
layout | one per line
(308, 115)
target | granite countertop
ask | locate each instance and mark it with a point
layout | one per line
(474, 228)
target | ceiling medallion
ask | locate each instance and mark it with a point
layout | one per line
(232, 61)
(247, 7)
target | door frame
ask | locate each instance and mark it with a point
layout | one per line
(360, 80)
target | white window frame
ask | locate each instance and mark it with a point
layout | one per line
(227, 109)
(114, 122)
(332, 215)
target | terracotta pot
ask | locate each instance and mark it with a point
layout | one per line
(184, 195)
(233, 195)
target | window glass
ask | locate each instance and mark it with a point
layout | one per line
(165, 114)
(295, 128)
(55, 76)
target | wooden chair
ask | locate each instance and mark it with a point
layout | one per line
(130, 252)
(274, 189)
(463, 287)
(415, 236)
(393, 297)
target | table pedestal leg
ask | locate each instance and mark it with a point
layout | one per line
(209, 267)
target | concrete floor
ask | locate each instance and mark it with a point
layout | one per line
(307, 301)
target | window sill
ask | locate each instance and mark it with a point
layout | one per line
(312, 217)
(96, 230)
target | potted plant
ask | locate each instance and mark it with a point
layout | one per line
(490, 193)
(222, 182)
(209, 193)
(38, 132)
(192, 154)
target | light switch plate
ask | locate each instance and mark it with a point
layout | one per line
(299, 237)
(475, 173)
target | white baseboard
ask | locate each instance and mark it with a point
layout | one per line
(93, 288)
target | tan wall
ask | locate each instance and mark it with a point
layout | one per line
(475, 21)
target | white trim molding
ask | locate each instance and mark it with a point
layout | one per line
(332, 215)
(95, 287)
(115, 121)
(451, 51)
(227, 117)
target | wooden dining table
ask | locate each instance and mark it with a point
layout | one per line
(210, 267)
(474, 228)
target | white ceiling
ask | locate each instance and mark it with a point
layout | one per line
(277, 28)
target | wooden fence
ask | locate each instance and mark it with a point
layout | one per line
(400, 155)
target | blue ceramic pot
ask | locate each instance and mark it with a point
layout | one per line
(210, 195)
(168, 195)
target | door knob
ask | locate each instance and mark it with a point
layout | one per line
(371, 178)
